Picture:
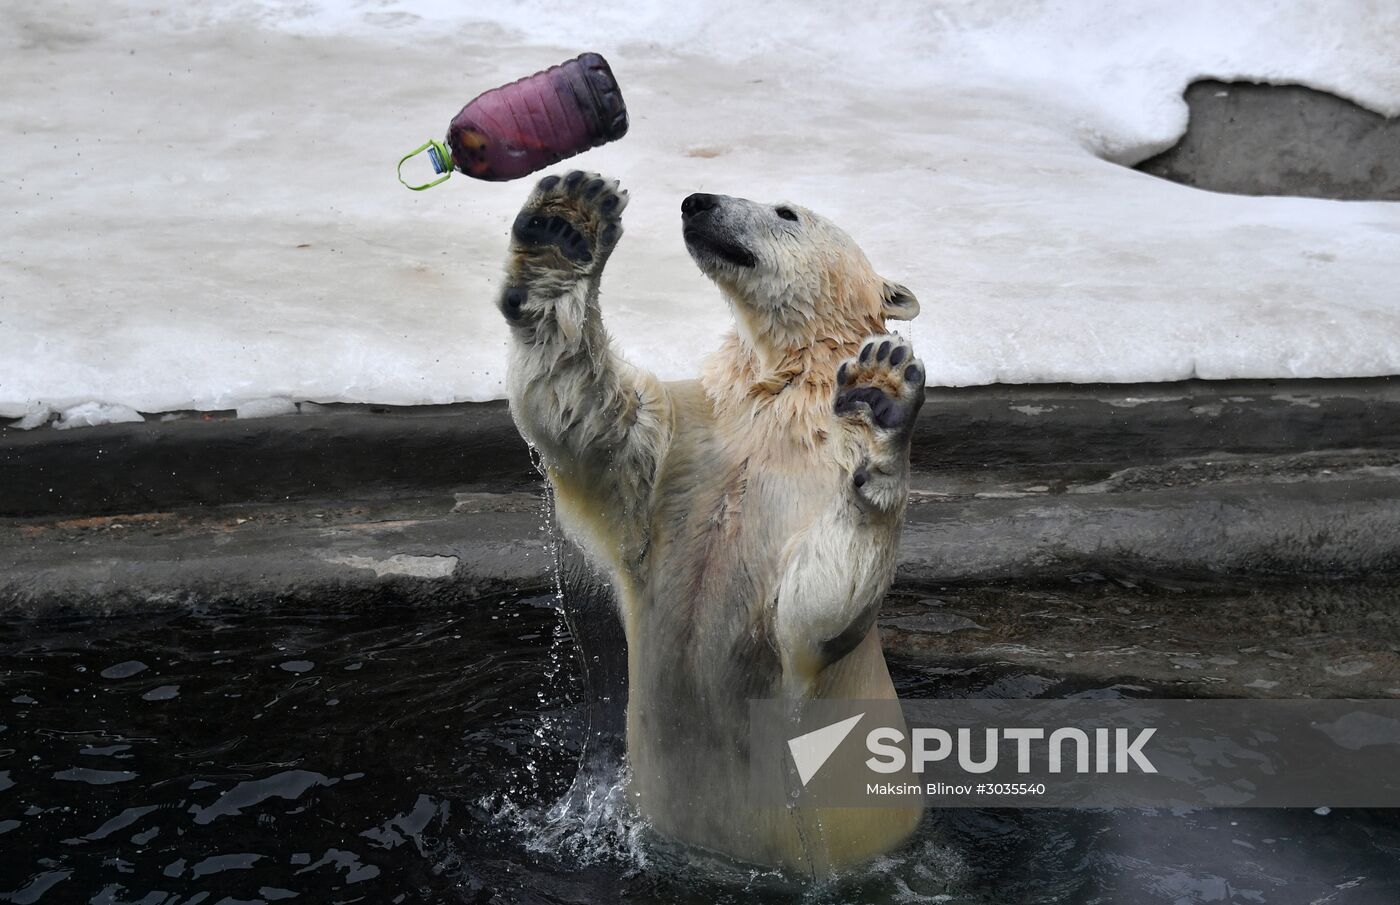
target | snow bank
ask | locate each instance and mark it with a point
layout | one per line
(199, 207)
(91, 414)
(266, 408)
(35, 415)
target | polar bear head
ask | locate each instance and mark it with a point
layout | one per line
(792, 276)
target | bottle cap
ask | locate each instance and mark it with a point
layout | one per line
(438, 155)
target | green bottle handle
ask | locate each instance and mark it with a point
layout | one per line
(442, 163)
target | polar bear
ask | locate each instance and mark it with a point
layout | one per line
(747, 519)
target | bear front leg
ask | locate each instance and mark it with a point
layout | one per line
(837, 570)
(600, 425)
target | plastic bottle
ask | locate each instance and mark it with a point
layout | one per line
(514, 130)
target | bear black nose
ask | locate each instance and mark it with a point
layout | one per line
(698, 204)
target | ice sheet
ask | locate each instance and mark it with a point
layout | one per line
(198, 208)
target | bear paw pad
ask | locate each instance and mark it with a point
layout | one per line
(579, 216)
(883, 385)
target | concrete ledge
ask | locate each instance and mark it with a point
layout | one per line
(477, 543)
(213, 458)
(1314, 638)
(1071, 588)
(1009, 484)
(431, 550)
(1350, 527)
(1059, 432)
(1238, 538)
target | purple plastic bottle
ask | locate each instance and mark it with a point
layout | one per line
(514, 130)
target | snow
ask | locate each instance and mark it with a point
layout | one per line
(198, 207)
(266, 408)
(91, 414)
(36, 414)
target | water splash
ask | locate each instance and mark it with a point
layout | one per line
(593, 821)
(553, 696)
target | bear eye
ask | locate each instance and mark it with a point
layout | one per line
(787, 213)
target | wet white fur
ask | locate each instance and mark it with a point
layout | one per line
(725, 514)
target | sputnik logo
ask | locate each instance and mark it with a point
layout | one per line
(811, 750)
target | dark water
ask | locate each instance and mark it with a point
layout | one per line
(410, 755)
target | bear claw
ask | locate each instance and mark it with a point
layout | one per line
(873, 387)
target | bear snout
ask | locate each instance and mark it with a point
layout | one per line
(708, 229)
(698, 203)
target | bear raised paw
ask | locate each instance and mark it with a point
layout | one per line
(577, 218)
(560, 241)
(878, 394)
(883, 386)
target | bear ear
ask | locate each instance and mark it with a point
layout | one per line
(900, 304)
